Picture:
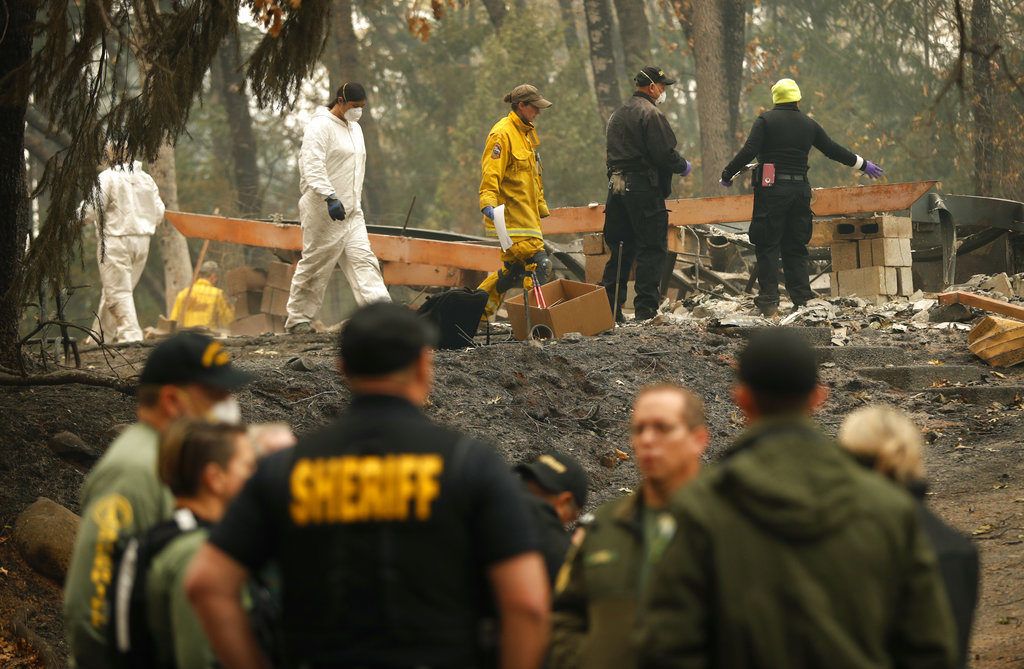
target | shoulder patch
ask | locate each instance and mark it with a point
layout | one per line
(496, 152)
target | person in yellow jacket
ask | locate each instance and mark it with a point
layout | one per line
(204, 306)
(511, 172)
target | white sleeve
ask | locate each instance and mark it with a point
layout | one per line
(313, 158)
(99, 196)
(158, 203)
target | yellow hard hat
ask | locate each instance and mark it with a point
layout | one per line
(785, 90)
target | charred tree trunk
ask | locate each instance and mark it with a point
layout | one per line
(636, 34)
(712, 91)
(602, 55)
(230, 81)
(567, 10)
(497, 10)
(173, 245)
(983, 97)
(15, 52)
(734, 15)
(348, 66)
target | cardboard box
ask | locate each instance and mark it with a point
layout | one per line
(883, 225)
(257, 324)
(593, 244)
(244, 279)
(868, 282)
(274, 302)
(844, 256)
(889, 251)
(247, 303)
(279, 275)
(572, 307)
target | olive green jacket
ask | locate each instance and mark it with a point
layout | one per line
(790, 554)
(597, 590)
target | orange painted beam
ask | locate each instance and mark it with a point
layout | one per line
(846, 200)
(388, 248)
(409, 274)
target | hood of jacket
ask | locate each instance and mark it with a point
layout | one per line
(789, 477)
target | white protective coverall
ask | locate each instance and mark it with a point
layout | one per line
(332, 162)
(132, 208)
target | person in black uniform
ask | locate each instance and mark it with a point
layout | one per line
(396, 539)
(641, 157)
(780, 139)
(556, 485)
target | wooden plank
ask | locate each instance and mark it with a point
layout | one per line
(737, 208)
(388, 248)
(998, 341)
(409, 274)
(983, 303)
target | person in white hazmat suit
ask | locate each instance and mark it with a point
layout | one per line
(132, 208)
(332, 164)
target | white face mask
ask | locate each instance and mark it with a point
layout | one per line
(353, 115)
(662, 97)
(226, 411)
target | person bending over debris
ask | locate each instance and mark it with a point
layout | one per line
(788, 553)
(599, 585)
(187, 375)
(556, 484)
(332, 164)
(886, 440)
(203, 305)
(395, 538)
(780, 139)
(642, 158)
(512, 176)
(131, 210)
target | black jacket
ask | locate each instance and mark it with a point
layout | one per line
(641, 141)
(554, 540)
(784, 136)
(958, 563)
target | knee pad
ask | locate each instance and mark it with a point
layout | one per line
(509, 276)
(543, 267)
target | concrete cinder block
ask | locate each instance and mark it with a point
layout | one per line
(865, 254)
(593, 244)
(868, 282)
(904, 281)
(889, 251)
(844, 256)
(883, 225)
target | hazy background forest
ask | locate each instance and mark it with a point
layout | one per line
(892, 79)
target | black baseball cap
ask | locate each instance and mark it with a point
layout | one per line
(382, 337)
(778, 361)
(190, 357)
(652, 75)
(557, 472)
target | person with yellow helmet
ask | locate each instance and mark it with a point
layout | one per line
(780, 139)
(511, 176)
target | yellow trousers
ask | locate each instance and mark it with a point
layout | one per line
(515, 258)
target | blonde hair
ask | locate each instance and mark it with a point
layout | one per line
(887, 436)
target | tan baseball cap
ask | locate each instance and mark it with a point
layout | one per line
(527, 93)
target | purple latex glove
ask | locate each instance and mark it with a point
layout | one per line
(686, 170)
(872, 170)
(725, 183)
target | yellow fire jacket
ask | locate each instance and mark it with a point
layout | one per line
(512, 176)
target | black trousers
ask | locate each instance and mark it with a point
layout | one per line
(781, 226)
(639, 220)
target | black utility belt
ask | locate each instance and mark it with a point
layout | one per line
(791, 177)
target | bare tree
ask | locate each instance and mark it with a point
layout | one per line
(635, 32)
(497, 10)
(983, 40)
(173, 246)
(230, 82)
(712, 90)
(602, 55)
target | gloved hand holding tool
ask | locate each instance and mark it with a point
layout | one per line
(335, 208)
(872, 170)
(488, 211)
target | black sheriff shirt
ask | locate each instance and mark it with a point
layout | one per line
(383, 525)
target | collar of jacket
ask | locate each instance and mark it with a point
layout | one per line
(766, 426)
(794, 106)
(627, 512)
(205, 282)
(527, 129)
(645, 96)
(917, 488)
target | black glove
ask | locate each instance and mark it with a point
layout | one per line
(335, 209)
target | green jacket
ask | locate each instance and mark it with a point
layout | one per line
(172, 621)
(121, 495)
(790, 554)
(598, 587)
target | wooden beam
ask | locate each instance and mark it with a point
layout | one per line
(388, 248)
(984, 303)
(847, 200)
(408, 274)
